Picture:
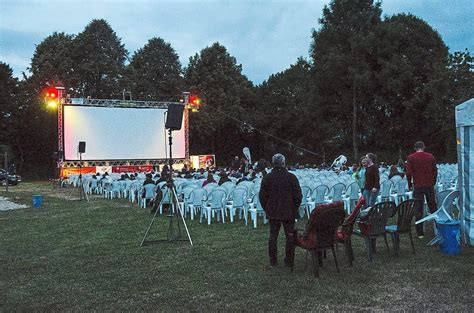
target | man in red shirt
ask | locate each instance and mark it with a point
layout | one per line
(421, 168)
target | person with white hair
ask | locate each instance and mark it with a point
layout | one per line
(280, 197)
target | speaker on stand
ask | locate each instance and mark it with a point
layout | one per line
(81, 149)
(174, 118)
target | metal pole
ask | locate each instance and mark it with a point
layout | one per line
(170, 142)
(182, 216)
(186, 135)
(6, 168)
(154, 216)
(61, 101)
(80, 175)
(186, 126)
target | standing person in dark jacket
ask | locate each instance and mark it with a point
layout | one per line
(280, 197)
(236, 163)
(372, 180)
(422, 170)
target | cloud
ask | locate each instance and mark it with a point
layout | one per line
(265, 36)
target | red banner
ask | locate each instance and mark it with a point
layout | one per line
(67, 171)
(132, 168)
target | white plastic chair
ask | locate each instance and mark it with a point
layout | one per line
(351, 197)
(197, 198)
(185, 195)
(150, 190)
(134, 191)
(336, 192)
(305, 193)
(215, 204)
(385, 189)
(255, 209)
(210, 187)
(93, 186)
(317, 197)
(238, 201)
(443, 214)
(114, 190)
(401, 189)
(229, 187)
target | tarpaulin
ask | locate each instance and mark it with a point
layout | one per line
(465, 147)
(67, 171)
(132, 168)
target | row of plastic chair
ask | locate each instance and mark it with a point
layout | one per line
(220, 202)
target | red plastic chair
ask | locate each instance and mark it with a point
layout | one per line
(344, 233)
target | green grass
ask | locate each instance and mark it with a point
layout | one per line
(78, 255)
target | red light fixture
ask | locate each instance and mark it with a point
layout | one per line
(194, 102)
(51, 97)
(52, 93)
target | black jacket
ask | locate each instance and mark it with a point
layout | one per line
(280, 194)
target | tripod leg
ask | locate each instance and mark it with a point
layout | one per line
(182, 217)
(152, 221)
(174, 205)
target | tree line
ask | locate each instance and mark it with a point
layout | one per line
(368, 84)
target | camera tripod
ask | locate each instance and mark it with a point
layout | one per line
(174, 228)
(175, 210)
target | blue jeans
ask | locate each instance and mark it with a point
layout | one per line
(370, 197)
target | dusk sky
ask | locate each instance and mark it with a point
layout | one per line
(264, 36)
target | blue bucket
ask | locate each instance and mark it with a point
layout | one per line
(37, 201)
(450, 232)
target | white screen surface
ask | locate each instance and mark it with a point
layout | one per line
(119, 134)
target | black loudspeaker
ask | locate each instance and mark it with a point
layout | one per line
(82, 147)
(174, 118)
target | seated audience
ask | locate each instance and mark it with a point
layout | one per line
(148, 180)
(235, 174)
(224, 178)
(210, 179)
(200, 174)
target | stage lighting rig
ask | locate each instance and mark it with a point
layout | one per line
(194, 103)
(51, 97)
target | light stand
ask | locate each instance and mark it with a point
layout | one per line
(80, 176)
(174, 229)
(82, 193)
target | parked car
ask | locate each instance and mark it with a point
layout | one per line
(12, 179)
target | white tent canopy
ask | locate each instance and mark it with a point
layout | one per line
(465, 144)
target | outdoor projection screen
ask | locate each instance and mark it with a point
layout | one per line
(119, 133)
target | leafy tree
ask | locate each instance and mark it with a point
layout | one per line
(8, 92)
(155, 73)
(52, 64)
(228, 101)
(461, 76)
(99, 58)
(343, 56)
(412, 84)
(35, 133)
(284, 111)
(23, 126)
(460, 82)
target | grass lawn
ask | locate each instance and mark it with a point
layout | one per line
(78, 255)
